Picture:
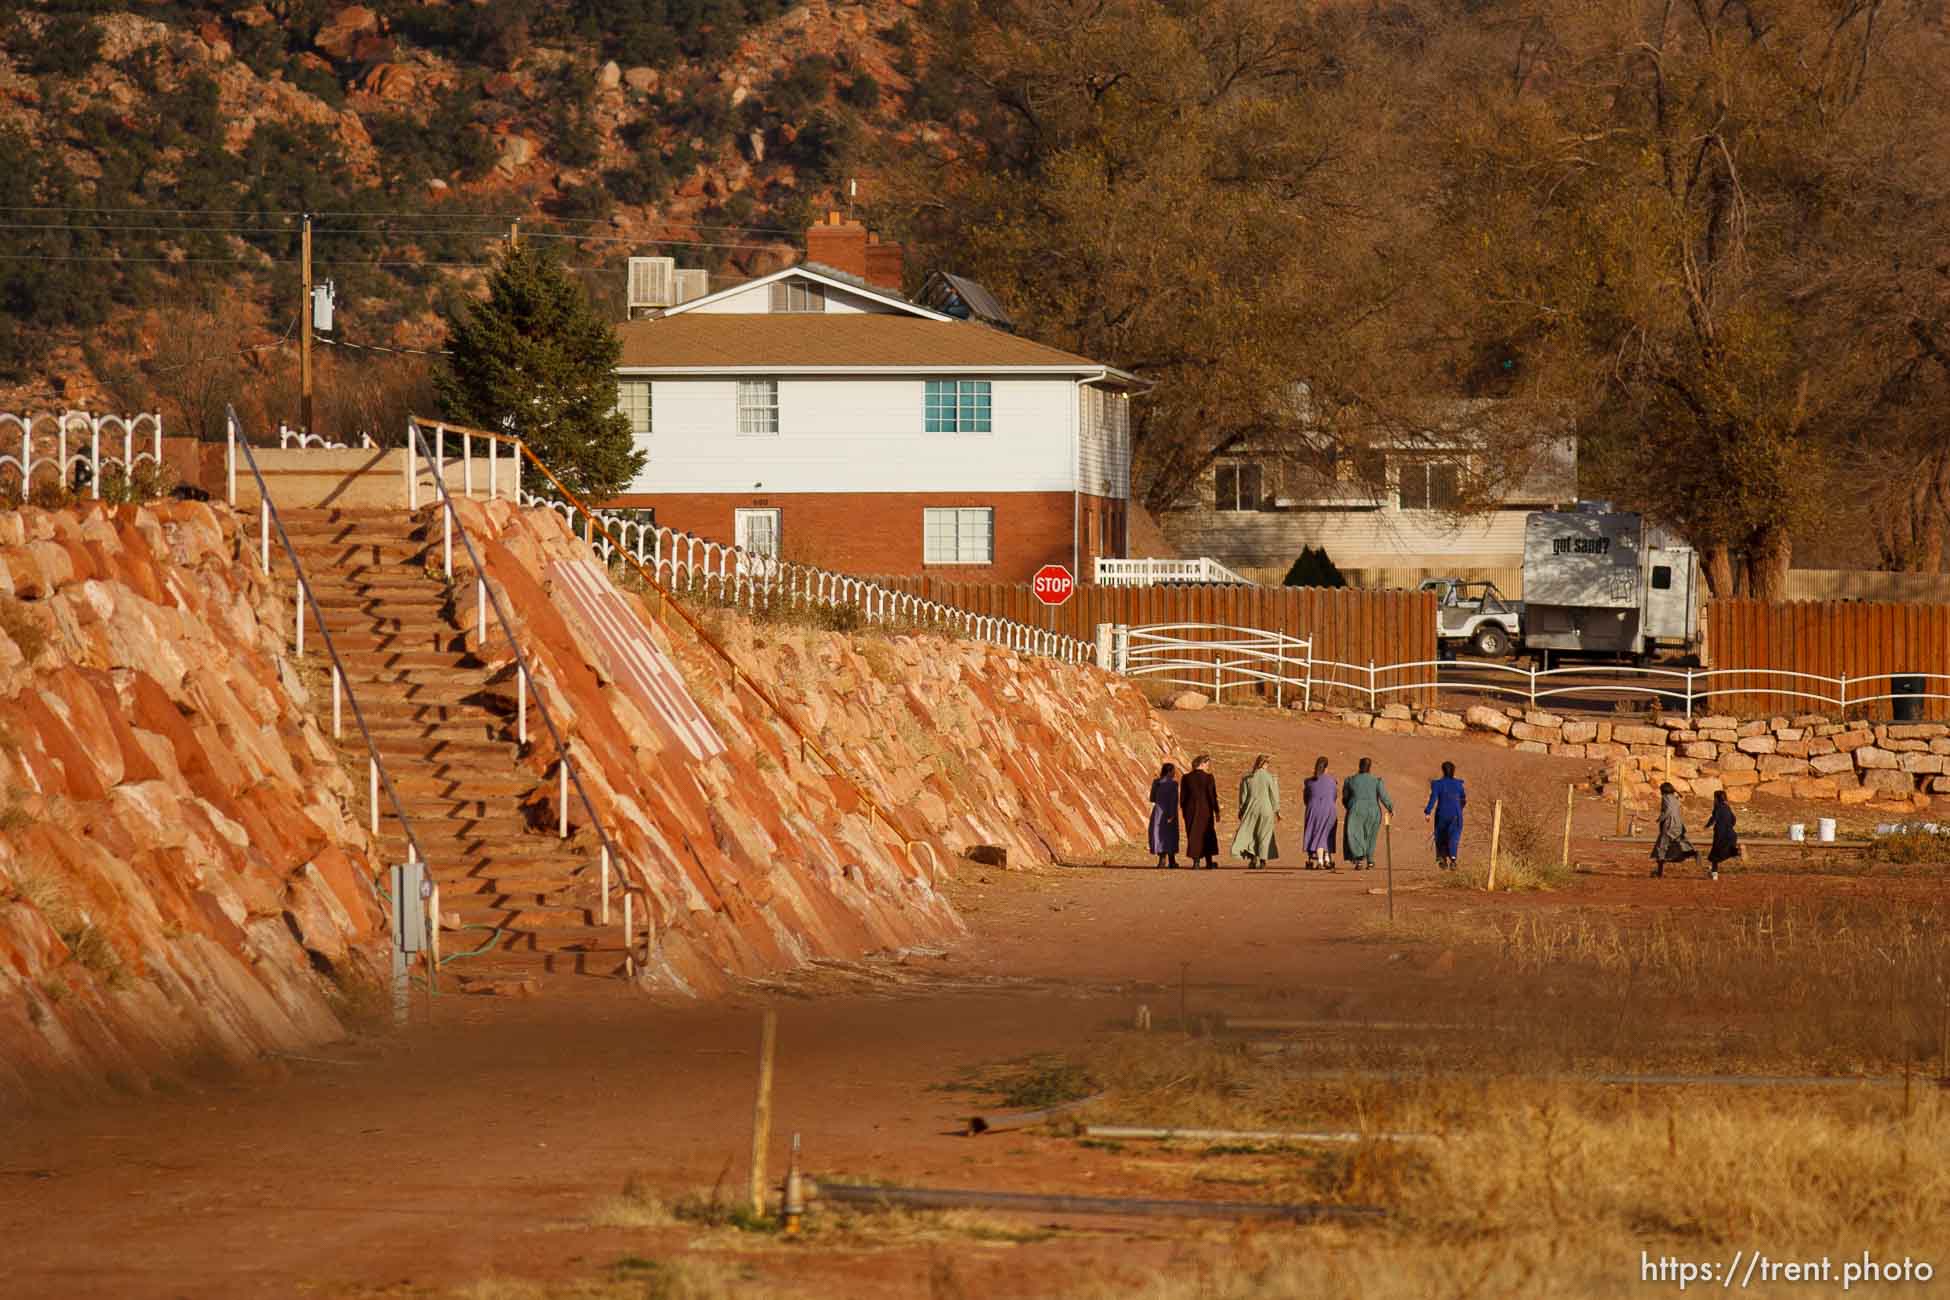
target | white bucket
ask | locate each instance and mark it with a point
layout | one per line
(1797, 833)
(1825, 829)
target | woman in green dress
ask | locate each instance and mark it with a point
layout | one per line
(1364, 796)
(1259, 809)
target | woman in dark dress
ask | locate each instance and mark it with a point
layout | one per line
(1726, 844)
(1164, 816)
(1198, 797)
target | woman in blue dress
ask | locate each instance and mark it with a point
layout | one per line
(1164, 816)
(1447, 798)
(1321, 793)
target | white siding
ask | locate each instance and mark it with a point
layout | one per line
(1354, 539)
(757, 300)
(858, 434)
(1104, 443)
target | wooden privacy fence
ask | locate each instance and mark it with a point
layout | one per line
(1346, 625)
(1849, 651)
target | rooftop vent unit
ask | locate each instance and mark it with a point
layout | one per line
(653, 284)
(692, 284)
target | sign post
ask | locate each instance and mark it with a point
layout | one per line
(1053, 584)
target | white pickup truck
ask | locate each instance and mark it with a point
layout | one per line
(1475, 614)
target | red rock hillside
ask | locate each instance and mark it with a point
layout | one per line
(182, 872)
(759, 858)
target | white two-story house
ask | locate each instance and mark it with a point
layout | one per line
(818, 416)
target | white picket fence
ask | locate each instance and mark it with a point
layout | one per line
(52, 445)
(1155, 572)
(289, 438)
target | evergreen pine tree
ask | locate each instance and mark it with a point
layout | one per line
(536, 360)
(1314, 568)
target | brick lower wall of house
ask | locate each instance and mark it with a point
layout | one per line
(881, 532)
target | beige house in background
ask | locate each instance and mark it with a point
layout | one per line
(1387, 516)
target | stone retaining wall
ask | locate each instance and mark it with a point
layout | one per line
(183, 873)
(1897, 765)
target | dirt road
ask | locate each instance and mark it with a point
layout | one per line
(477, 1146)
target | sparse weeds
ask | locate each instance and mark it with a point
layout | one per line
(1911, 848)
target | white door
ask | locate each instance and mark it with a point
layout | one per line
(1670, 575)
(758, 541)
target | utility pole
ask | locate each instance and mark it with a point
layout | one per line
(514, 233)
(304, 339)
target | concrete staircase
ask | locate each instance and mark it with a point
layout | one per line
(451, 752)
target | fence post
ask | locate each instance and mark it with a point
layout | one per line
(298, 615)
(467, 463)
(605, 904)
(562, 773)
(372, 790)
(1496, 836)
(521, 703)
(95, 452)
(264, 526)
(335, 699)
(1689, 697)
(1533, 689)
(1372, 706)
(412, 472)
(1844, 711)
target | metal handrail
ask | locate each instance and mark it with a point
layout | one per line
(739, 676)
(267, 517)
(525, 678)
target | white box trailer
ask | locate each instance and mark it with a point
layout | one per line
(1600, 582)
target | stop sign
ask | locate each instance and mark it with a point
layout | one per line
(1053, 584)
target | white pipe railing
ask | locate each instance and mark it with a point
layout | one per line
(1687, 689)
(1153, 572)
(43, 440)
(742, 578)
(268, 518)
(485, 598)
(1215, 658)
(1218, 658)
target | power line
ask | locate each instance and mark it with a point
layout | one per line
(374, 347)
(267, 214)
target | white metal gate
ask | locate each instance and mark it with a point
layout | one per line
(1211, 657)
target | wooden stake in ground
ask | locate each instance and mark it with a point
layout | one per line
(762, 1109)
(1621, 804)
(1496, 835)
(1388, 835)
(1570, 798)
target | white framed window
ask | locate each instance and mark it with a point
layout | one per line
(758, 406)
(797, 296)
(633, 400)
(958, 406)
(958, 535)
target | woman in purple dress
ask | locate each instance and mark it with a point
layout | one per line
(1322, 794)
(1164, 816)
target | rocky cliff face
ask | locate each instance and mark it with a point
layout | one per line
(183, 873)
(760, 856)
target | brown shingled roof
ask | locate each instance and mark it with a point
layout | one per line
(708, 340)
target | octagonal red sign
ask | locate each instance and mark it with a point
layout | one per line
(1053, 584)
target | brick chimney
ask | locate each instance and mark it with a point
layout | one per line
(885, 265)
(846, 246)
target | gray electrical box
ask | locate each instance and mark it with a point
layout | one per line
(324, 299)
(412, 888)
